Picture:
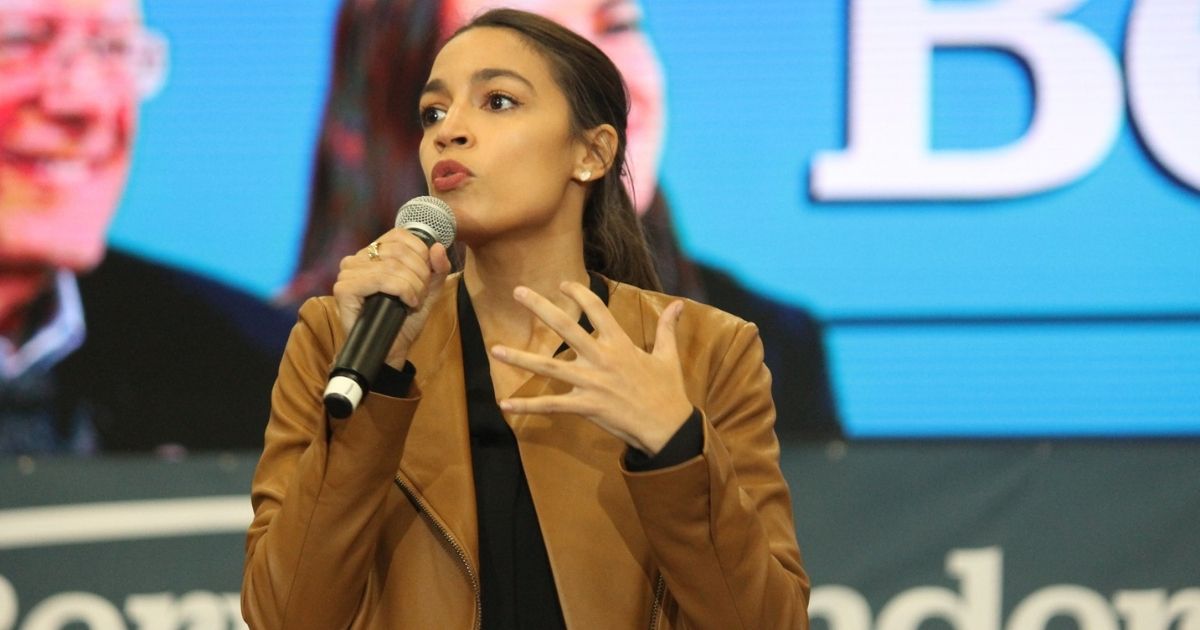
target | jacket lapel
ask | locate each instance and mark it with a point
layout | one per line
(592, 532)
(437, 455)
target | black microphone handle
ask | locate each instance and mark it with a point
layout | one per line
(370, 338)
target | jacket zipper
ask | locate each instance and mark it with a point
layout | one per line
(453, 544)
(660, 589)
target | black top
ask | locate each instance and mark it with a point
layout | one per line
(516, 579)
(515, 575)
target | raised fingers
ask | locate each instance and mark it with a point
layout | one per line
(549, 367)
(597, 313)
(555, 318)
(664, 339)
(559, 403)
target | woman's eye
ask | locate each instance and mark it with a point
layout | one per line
(499, 102)
(431, 116)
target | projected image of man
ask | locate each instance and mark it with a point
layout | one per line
(80, 322)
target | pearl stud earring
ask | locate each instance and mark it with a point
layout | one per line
(585, 175)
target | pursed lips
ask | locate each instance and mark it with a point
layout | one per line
(448, 175)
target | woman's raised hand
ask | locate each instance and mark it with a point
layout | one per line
(398, 264)
(637, 396)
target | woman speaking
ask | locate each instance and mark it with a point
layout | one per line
(551, 443)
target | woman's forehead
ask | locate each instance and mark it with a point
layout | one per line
(489, 47)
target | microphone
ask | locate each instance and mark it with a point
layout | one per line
(431, 220)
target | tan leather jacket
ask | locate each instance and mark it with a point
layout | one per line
(370, 522)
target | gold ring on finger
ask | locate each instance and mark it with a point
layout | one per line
(373, 250)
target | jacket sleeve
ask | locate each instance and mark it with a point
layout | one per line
(318, 490)
(720, 524)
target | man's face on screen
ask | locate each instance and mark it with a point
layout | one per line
(68, 99)
(614, 26)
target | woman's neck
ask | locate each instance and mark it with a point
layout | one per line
(493, 271)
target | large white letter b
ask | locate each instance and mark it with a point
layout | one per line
(1076, 116)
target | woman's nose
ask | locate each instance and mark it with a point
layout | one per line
(453, 131)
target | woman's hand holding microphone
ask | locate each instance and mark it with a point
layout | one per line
(398, 264)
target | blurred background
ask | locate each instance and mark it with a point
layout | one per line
(989, 210)
(973, 300)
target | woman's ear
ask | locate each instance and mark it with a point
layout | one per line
(599, 152)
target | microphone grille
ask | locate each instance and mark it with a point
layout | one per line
(431, 215)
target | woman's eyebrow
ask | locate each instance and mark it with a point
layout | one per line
(434, 85)
(486, 74)
(480, 76)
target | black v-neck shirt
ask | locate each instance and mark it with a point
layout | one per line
(515, 574)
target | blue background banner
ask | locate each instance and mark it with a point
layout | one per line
(1014, 308)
